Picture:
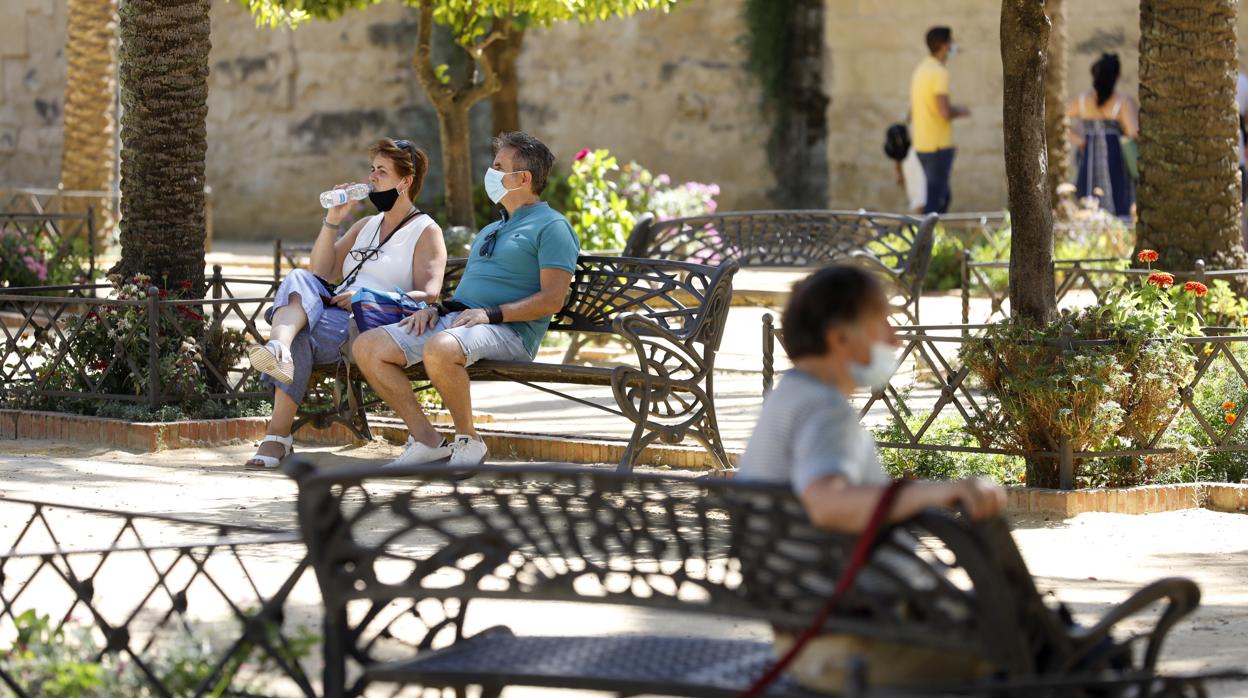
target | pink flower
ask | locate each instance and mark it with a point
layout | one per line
(583, 154)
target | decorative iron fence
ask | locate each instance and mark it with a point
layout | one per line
(68, 342)
(118, 603)
(1094, 275)
(951, 398)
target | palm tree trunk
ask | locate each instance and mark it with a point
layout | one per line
(505, 104)
(1024, 42)
(90, 104)
(1189, 205)
(1055, 99)
(164, 96)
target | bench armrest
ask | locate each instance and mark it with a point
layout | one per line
(1181, 597)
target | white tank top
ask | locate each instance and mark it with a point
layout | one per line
(393, 267)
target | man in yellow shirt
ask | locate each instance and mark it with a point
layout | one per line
(931, 117)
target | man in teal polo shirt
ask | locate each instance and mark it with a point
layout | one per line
(516, 279)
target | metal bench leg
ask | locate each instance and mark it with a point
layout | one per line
(357, 421)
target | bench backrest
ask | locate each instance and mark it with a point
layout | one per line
(689, 300)
(897, 246)
(586, 535)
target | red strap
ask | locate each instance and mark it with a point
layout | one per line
(861, 554)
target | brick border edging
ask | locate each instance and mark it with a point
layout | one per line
(1145, 499)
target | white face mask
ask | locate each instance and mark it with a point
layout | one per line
(494, 187)
(876, 373)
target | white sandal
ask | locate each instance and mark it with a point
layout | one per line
(274, 360)
(259, 462)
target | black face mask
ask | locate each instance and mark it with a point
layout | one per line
(384, 200)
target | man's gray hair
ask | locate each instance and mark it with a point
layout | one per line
(531, 155)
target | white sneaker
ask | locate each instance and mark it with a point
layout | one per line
(417, 453)
(468, 452)
(274, 360)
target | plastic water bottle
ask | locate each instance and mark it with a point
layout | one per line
(338, 197)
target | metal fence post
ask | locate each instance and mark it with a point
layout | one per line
(1200, 301)
(217, 283)
(769, 343)
(91, 243)
(277, 261)
(153, 347)
(966, 289)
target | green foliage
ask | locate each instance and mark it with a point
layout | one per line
(110, 354)
(1083, 233)
(469, 20)
(599, 213)
(1115, 394)
(940, 465)
(604, 199)
(66, 661)
(30, 259)
(769, 29)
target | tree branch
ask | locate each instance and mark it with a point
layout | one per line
(438, 93)
(490, 82)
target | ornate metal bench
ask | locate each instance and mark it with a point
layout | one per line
(898, 247)
(671, 314)
(399, 569)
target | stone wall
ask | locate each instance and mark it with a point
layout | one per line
(670, 92)
(32, 91)
(291, 113)
(873, 47)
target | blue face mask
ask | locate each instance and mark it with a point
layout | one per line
(494, 187)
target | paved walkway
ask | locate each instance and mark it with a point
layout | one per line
(1090, 562)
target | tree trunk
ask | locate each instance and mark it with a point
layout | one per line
(1024, 40)
(1055, 99)
(1189, 205)
(455, 130)
(164, 96)
(505, 104)
(90, 105)
(452, 101)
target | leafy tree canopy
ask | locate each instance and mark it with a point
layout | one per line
(469, 20)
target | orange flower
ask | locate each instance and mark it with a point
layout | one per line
(1228, 406)
(1148, 256)
(1230, 418)
(1195, 287)
(1161, 279)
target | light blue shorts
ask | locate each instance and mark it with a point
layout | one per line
(497, 342)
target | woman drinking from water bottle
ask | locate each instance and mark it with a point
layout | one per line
(399, 248)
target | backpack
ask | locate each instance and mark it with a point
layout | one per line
(897, 142)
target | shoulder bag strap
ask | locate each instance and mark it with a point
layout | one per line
(350, 276)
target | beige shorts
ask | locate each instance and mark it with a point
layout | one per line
(824, 664)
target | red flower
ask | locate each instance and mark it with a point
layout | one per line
(1148, 256)
(583, 154)
(1231, 418)
(99, 365)
(164, 293)
(189, 313)
(184, 285)
(1161, 279)
(1197, 288)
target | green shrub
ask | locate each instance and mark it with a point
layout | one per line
(1113, 395)
(942, 465)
